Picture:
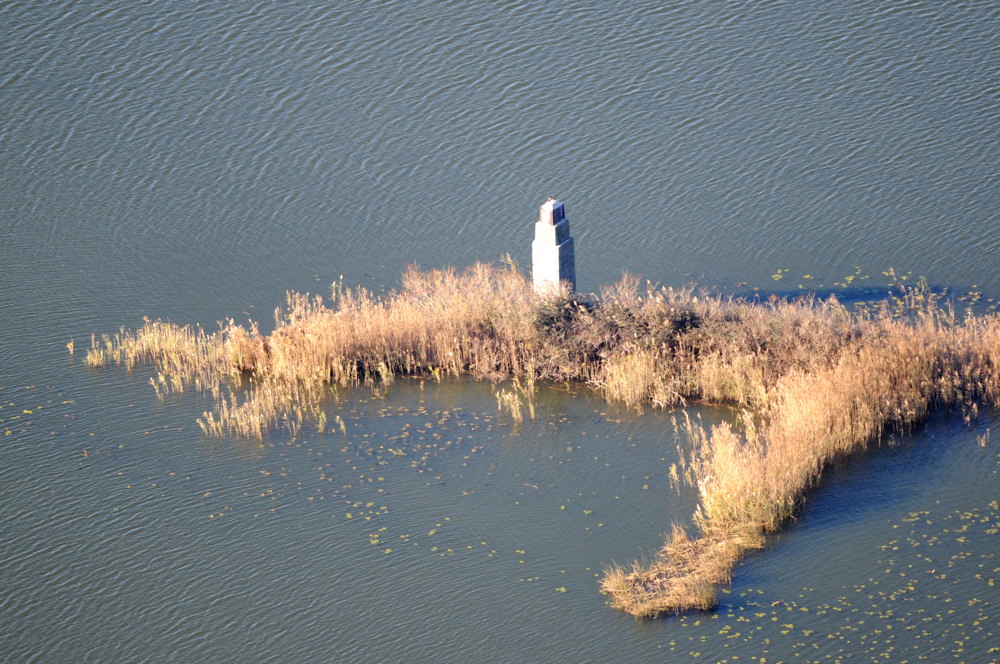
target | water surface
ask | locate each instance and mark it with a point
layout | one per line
(195, 160)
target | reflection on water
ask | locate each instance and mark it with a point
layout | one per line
(195, 160)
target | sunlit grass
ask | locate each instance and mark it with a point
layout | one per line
(813, 380)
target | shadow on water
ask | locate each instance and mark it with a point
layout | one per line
(848, 296)
(938, 462)
(892, 472)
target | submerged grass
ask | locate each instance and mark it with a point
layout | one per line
(812, 379)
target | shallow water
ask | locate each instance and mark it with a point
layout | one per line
(194, 160)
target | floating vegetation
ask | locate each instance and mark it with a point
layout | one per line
(813, 380)
(929, 598)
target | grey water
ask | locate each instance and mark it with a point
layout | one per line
(195, 160)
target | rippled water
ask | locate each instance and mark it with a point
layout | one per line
(195, 160)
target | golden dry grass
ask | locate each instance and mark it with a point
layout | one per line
(813, 379)
(888, 374)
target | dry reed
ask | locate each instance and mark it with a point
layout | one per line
(814, 380)
(887, 373)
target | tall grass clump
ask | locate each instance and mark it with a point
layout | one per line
(886, 375)
(811, 379)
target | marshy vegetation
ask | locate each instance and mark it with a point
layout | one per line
(810, 379)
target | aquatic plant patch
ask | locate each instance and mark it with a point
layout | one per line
(812, 379)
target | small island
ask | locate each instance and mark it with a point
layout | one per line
(812, 379)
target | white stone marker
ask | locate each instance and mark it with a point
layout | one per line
(552, 251)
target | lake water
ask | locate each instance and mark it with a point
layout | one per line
(195, 160)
